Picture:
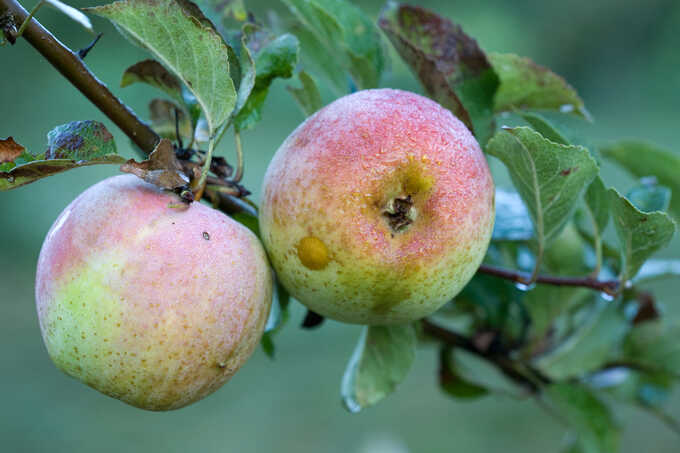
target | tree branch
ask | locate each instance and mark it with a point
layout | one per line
(607, 286)
(73, 68)
(506, 366)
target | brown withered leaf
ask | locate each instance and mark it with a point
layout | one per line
(9, 150)
(161, 169)
(451, 66)
(153, 73)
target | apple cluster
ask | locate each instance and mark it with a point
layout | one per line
(377, 209)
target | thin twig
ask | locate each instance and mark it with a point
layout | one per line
(607, 286)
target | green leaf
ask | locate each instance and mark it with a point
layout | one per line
(549, 177)
(512, 218)
(649, 390)
(526, 86)
(656, 269)
(592, 220)
(541, 125)
(597, 204)
(642, 159)
(153, 73)
(593, 422)
(379, 363)
(180, 36)
(450, 65)
(307, 96)
(314, 57)
(278, 314)
(346, 34)
(164, 115)
(640, 233)
(72, 145)
(451, 381)
(590, 346)
(71, 12)
(249, 220)
(79, 140)
(243, 73)
(545, 305)
(275, 58)
(649, 196)
(268, 345)
(654, 345)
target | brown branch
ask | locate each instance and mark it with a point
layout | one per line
(71, 66)
(607, 286)
(505, 365)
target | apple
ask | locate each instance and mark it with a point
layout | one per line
(149, 300)
(377, 209)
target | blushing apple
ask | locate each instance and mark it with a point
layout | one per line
(148, 300)
(378, 209)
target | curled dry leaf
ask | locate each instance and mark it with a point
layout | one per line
(9, 150)
(162, 168)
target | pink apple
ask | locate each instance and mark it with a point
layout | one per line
(148, 300)
(378, 209)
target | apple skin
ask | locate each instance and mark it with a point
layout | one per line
(330, 185)
(148, 300)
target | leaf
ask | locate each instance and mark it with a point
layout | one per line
(654, 345)
(593, 218)
(512, 218)
(346, 34)
(450, 65)
(153, 73)
(163, 122)
(79, 140)
(71, 12)
(597, 204)
(379, 363)
(38, 169)
(593, 422)
(541, 125)
(10, 150)
(549, 177)
(181, 37)
(649, 390)
(275, 58)
(589, 347)
(268, 345)
(642, 159)
(162, 168)
(72, 145)
(245, 79)
(314, 56)
(452, 382)
(656, 269)
(649, 196)
(640, 233)
(279, 311)
(525, 85)
(307, 96)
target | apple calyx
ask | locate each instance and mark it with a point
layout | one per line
(400, 212)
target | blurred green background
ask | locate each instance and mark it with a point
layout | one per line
(621, 55)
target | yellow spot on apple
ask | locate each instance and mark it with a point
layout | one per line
(313, 253)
